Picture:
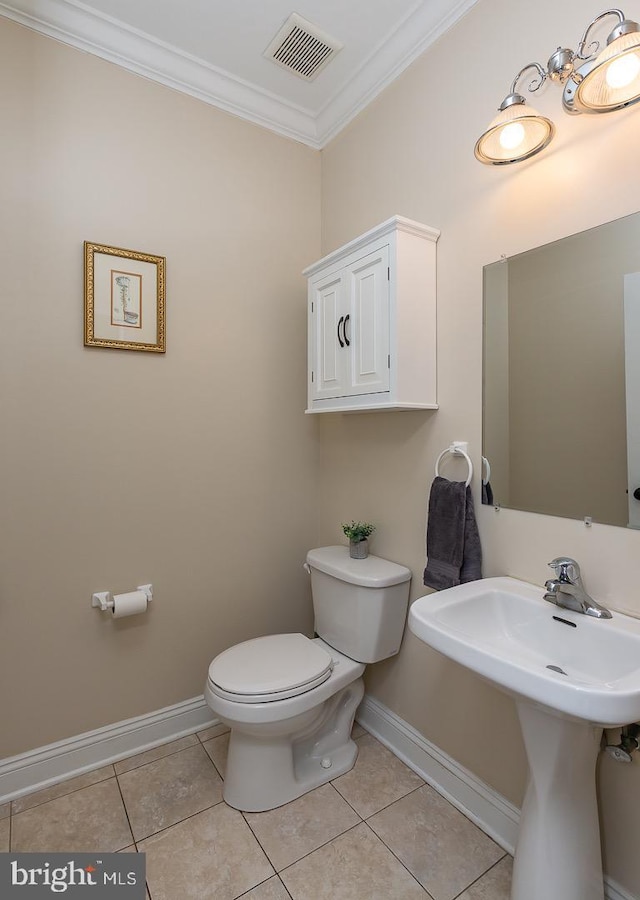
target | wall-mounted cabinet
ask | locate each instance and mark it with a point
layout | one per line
(372, 322)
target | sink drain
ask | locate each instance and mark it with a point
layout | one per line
(557, 669)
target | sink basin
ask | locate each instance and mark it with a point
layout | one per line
(570, 675)
(503, 630)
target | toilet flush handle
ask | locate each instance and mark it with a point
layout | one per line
(307, 568)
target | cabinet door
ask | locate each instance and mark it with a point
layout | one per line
(329, 359)
(367, 326)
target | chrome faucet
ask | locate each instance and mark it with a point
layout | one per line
(567, 589)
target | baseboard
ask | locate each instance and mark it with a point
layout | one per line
(476, 800)
(613, 891)
(496, 816)
(48, 765)
(57, 762)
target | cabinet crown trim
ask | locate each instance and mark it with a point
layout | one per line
(394, 224)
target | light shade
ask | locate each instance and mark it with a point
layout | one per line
(516, 133)
(611, 81)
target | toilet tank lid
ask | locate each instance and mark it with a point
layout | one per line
(373, 571)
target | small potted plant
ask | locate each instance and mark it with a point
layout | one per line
(358, 534)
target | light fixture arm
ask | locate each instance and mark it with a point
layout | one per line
(594, 46)
(537, 83)
(562, 63)
(514, 98)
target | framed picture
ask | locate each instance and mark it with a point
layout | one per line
(123, 299)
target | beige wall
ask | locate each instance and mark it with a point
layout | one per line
(198, 470)
(411, 153)
(194, 470)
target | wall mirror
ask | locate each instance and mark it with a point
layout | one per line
(561, 377)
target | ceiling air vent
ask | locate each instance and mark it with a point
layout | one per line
(302, 48)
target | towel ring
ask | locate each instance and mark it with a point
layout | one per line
(456, 449)
(486, 477)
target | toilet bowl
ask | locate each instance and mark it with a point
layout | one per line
(289, 700)
(281, 748)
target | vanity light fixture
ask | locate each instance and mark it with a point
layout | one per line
(593, 82)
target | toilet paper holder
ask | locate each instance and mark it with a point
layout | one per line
(104, 599)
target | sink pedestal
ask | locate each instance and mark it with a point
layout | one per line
(558, 854)
(564, 672)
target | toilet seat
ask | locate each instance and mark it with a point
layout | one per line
(269, 668)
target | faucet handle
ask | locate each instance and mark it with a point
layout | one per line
(566, 569)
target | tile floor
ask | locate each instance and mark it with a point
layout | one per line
(377, 833)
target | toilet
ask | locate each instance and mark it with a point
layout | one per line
(290, 700)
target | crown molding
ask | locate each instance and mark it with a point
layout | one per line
(75, 24)
(416, 33)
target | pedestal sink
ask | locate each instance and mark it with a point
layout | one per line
(571, 675)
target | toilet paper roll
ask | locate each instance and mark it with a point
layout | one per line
(129, 604)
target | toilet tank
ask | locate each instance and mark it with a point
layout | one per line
(360, 605)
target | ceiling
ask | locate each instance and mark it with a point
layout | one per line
(214, 50)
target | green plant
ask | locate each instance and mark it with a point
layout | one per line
(358, 531)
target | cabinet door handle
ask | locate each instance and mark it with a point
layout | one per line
(344, 330)
(340, 321)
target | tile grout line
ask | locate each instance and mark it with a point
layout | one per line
(305, 855)
(157, 759)
(220, 774)
(257, 839)
(214, 738)
(460, 896)
(222, 733)
(186, 818)
(289, 894)
(345, 799)
(247, 892)
(395, 856)
(391, 802)
(326, 844)
(126, 812)
(114, 774)
(66, 794)
(386, 806)
(258, 842)
(191, 815)
(179, 822)
(200, 742)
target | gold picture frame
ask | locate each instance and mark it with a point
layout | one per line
(124, 299)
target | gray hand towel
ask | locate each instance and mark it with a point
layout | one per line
(487, 493)
(454, 554)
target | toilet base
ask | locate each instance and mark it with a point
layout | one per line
(267, 771)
